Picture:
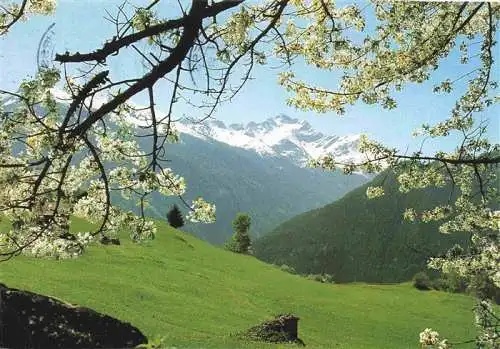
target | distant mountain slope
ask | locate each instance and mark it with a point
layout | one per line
(256, 168)
(357, 239)
(270, 189)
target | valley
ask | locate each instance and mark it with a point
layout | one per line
(249, 174)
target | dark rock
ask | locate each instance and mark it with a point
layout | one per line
(105, 240)
(282, 329)
(109, 241)
(32, 321)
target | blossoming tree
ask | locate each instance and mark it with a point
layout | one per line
(55, 163)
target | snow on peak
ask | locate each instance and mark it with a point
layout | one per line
(284, 119)
(280, 136)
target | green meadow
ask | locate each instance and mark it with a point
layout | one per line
(195, 295)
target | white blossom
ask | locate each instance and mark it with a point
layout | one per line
(429, 337)
(201, 211)
(374, 192)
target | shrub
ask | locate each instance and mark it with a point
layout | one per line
(288, 269)
(440, 284)
(327, 278)
(314, 277)
(479, 285)
(455, 283)
(323, 278)
(421, 281)
(240, 242)
(231, 245)
(174, 217)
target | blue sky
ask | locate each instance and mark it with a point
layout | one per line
(80, 26)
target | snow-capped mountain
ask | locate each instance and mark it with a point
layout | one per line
(245, 168)
(280, 136)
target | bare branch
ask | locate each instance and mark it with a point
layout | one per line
(116, 44)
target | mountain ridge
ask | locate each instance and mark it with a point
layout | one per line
(279, 136)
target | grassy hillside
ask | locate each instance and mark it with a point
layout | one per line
(195, 294)
(357, 239)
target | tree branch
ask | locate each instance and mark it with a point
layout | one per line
(192, 25)
(115, 45)
(5, 28)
